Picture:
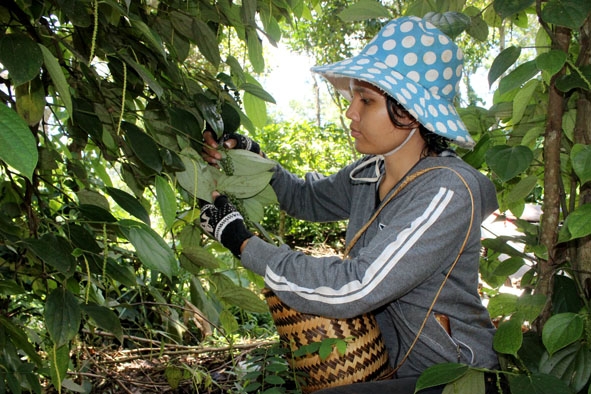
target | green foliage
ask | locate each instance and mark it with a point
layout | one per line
(103, 108)
(101, 175)
(326, 152)
(267, 371)
(323, 348)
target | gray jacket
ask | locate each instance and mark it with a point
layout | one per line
(398, 264)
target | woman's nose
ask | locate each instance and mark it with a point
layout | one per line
(352, 113)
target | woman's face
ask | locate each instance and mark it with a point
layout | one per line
(371, 127)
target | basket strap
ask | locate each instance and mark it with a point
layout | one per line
(404, 183)
(463, 246)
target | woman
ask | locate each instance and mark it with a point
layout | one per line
(431, 204)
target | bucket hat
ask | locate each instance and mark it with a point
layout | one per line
(417, 65)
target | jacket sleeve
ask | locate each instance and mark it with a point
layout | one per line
(416, 237)
(315, 198)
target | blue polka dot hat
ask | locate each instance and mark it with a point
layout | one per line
(416, 64)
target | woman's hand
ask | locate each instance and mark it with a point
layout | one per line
(222, 221)
(211, 154)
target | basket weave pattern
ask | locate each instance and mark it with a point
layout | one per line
(365, 358)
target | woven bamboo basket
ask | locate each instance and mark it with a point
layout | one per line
(365, 358)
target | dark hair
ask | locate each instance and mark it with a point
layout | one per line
(434, 143)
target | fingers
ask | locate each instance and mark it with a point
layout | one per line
(230, 143)
(220, 200)
(209, 152)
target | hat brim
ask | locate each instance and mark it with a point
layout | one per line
(432, 111)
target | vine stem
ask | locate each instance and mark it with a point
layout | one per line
(94, 32)
(122, 98)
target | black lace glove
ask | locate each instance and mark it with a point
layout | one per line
(225, 223)
(243, 142)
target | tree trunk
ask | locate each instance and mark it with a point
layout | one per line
(552, 191)
(582, 135)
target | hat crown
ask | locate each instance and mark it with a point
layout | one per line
(417, 50)
(416, 64)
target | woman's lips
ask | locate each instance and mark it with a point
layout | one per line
(355, 133)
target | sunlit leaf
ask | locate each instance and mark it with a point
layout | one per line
(561, 330)
(551, 61)
(57, 76)
(151, 249)
(18, 148)
(188, 178)
(229, 292)
(325, 349)
(509, 337)
(21, 56)
(580, 157)
(244, 186)
(62, 316)
(522, 100)
(502, 304)
(249, 163)
(517, 77)
(228, 321)
(472, 382)
(508, 267)
(130, 203)
(257, 91)
(420, 7)
(195, 258)
(502, 62)
(166, 200)
(522, 189)
(59, 359)
(254, 210)
(271, 26)
(509, 161)
(256, 109)
(440, 374)
(363, 10)
(30, 101)
(577, 223)
(255, 51)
